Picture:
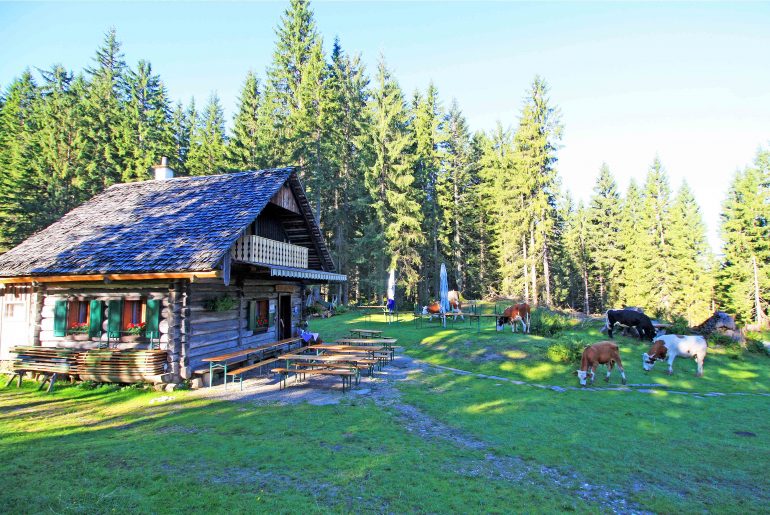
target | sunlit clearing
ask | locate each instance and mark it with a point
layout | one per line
(488, 407)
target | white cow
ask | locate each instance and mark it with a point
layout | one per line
(671, 346)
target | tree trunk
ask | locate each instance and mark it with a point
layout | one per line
(524, 272)
(532, 266)
(601, 293)
(585, 292)
(546, 275)
(457, 239)
(757, 304)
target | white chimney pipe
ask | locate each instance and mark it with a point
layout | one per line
(163, 170)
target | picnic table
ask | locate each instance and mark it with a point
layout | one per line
(222, 361)
(344, 366)
(387, 343)
(367, 341)
(365, 333)
(389, 316)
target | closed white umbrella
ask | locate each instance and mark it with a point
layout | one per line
(390, 305)
(444, 292)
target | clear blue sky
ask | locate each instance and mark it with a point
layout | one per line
(689, 82)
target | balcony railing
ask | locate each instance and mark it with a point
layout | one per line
(256, 249)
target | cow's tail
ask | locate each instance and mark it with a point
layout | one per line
(607, 320)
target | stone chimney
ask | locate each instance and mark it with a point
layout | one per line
(163, 170)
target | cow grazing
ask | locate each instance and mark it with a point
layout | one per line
(630, 318)
(671, 346)
(602, 353)
(513, 314)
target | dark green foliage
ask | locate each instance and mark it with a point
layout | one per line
(565, 351)
(545, 322)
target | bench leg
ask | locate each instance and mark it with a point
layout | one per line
(51, 382)
(13, 376)
(46, 378)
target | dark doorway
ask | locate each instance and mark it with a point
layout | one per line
(284, 317)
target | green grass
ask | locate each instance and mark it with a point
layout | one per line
(112, 450)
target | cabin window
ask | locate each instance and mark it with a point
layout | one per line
(78, 316)
(14, 311)
(258, 315)
(133, 314)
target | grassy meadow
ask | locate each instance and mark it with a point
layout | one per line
(449, 443)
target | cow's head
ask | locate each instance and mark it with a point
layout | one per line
(657, 351)
(501, 322)
(583, 376)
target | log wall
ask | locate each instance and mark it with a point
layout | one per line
(189, 330)
(167, 293)
(217, 332)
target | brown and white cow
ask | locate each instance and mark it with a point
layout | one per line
(434, 309)
(671, 346)
(602, 353)
(513, 314)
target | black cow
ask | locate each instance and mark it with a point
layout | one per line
(630, 318)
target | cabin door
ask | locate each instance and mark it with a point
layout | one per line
(284, 317)
(14, 318)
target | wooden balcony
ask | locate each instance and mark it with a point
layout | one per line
(256, 249)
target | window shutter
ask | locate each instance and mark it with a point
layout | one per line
(271, 320)
(152, 320)
(114, 312)
(60, 318)
(95, 319)
(252, 315)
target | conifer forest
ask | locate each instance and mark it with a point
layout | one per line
(397, 179)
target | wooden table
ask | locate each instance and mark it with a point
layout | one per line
(367, 341)
(365, 333)
(221, 361)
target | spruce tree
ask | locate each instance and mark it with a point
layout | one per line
(744, 276)
(504, 199)
(20, 183)
(577, 237)
(426, 126)
(245, 148)
(182, 123)
(62, 141)
(390, 181)
(633, 277)
(207, 148)
(455, 194)
(656, 249)
(104, 113)
(347, 212)
(604, 219)
(146, 134)
(692, 283)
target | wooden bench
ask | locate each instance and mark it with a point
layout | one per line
(224, 360)
(237, 375)
(345, 374)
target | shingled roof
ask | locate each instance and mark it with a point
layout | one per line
(181, 224)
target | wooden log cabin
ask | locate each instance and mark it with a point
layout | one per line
(197, 266)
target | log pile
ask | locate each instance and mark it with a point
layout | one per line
(121, 366)
(45, 359)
